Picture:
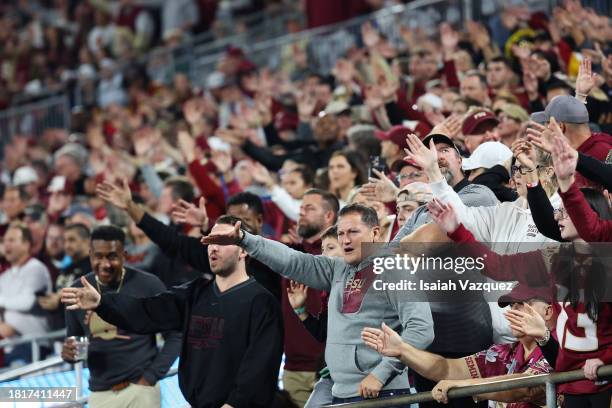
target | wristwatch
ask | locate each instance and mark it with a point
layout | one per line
(242, 235)
(532, 185)
(543, 340)
(299, 310)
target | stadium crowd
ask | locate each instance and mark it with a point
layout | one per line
(496, 135)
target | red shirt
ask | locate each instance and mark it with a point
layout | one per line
(302, 351)
(502, 359)
(590, 227)
(599, 146)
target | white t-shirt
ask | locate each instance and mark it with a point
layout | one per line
(18, 287)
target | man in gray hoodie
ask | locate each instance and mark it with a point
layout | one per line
(355, 302)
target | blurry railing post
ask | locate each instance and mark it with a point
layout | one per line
(551, 395)
(35, 351)
(78, 371)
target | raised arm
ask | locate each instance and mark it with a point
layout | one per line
(588, 224)
(416, 325)
(314, 271)
(590, 227)
(542, 213)
(479, 220)
(595, 170)
(432, 366)
(168, 239)
(162, 312)
(526, 267)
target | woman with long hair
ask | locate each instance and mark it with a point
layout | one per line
(345, 171)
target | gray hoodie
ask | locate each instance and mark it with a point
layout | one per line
(354, 303)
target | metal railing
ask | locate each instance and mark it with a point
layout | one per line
(34, 340)
(30, 369)
(326, 44)
(163, 62)
(549, 380)
(34, 118)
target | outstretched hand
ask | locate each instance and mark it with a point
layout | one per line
(585, 81)
(231, 237)
(118, 195)
(419, 154)
(297, 293)
(85, 298)
(526, 321)
(385, 340)
(444, 215)
(380, 189)
(187, 213)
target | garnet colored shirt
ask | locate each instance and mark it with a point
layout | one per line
(599, 146)
(502, 359)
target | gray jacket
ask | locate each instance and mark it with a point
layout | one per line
(348, 358)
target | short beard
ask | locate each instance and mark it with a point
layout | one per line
(227, 268)
(448, 175)
(308, 231)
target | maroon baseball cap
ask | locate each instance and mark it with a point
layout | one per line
(397, 134)
(472, 124)
(524, 293)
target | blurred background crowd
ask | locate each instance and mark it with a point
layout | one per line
(252, 135)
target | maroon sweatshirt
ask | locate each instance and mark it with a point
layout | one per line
(599, 146)
(590, 227)
(302, 351)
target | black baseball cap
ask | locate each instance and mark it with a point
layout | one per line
(440, 138)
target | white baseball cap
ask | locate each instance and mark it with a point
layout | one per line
(24, 175)
(487, 155)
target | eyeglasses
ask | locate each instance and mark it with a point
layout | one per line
(522, 170)
(560, 213)
(409, 176)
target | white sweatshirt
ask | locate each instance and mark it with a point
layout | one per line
(506, 228)
(287, 204)
(18, 286)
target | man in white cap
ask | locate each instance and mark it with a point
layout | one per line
(489, 166)
(27, 177)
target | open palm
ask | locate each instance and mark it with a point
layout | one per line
(585, 81)
(118, 195)
(419, 154)
(231, 237)
(385, 340)
(297, 293)
(85, 298)
(188, 213)
(526, 321)
(444, 215)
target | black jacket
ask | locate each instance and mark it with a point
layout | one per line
(496, 178)
(232, 341)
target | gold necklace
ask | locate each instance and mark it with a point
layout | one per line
(98, 283)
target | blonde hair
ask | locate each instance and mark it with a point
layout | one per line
(545, 173)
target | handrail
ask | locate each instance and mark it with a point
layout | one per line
(492, 386)
(30, 368)
(15, 341)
